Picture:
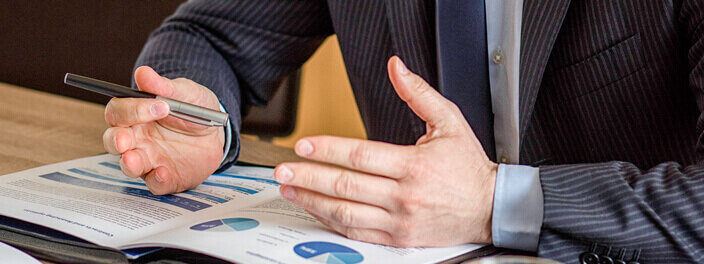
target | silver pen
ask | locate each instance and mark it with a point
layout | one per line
(182, 110)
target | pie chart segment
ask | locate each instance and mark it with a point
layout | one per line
(207, 225)
(241, 224)
(328, 253)
(227, 225)
(348, 257)
(220, 228)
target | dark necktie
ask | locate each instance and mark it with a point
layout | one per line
(463, 65)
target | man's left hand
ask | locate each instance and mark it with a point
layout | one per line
(438, 192)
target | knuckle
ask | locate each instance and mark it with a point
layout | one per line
(110, 113)
(107, 136)
(343, 214)
(419, 90)
(360, 155)
(424, 90)
(108, 142)
(408, 167)
(419, 85)
(345, 186)
(415, 166)
(140, 112)
(305, 174)
(410, 203)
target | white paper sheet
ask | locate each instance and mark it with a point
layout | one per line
(237, 215)
(15, 256)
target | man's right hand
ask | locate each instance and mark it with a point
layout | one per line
(170, 154)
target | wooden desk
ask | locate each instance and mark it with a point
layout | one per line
(38, 128)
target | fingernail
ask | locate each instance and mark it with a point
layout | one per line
(158, 178)
(289, 193)
(159, 109)
(304, 148)
(402, 69)
(284, 174)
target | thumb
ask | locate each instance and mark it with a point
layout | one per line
(150, 81)
(423, 99)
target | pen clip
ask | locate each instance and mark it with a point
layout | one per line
(195, 119)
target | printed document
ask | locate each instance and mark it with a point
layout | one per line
(237, 215)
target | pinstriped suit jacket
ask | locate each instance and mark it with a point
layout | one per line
(611, 96)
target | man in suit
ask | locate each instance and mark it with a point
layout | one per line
(592, 110)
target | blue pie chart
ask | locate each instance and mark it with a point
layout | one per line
(227, 225)
(328, 253)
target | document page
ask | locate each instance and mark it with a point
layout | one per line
(92, 199)
(237, 215)
(15, 256)
(278, 231)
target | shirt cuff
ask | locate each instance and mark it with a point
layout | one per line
(228, 137)
(518, 208)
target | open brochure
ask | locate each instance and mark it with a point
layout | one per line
(237, 215)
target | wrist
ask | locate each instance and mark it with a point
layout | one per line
(487, 204)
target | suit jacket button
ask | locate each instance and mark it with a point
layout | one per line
(605, 260)
(589, 258)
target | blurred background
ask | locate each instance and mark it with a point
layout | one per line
(42, 40)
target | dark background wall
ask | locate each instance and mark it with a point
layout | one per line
(42, 40)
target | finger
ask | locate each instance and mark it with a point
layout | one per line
(338, 182)
(181, 89)
(360, 234)
(150, 81)
(425, 101)
(160, 181)
(117, 140)
(125, 112)
(135, 163)
(373, 157)
(342, 212)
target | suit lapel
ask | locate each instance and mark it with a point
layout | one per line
(542, 20)
(412, 28)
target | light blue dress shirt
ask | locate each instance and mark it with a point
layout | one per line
(518, 196)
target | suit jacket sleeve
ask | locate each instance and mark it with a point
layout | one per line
(238, 49)
(659, 210)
